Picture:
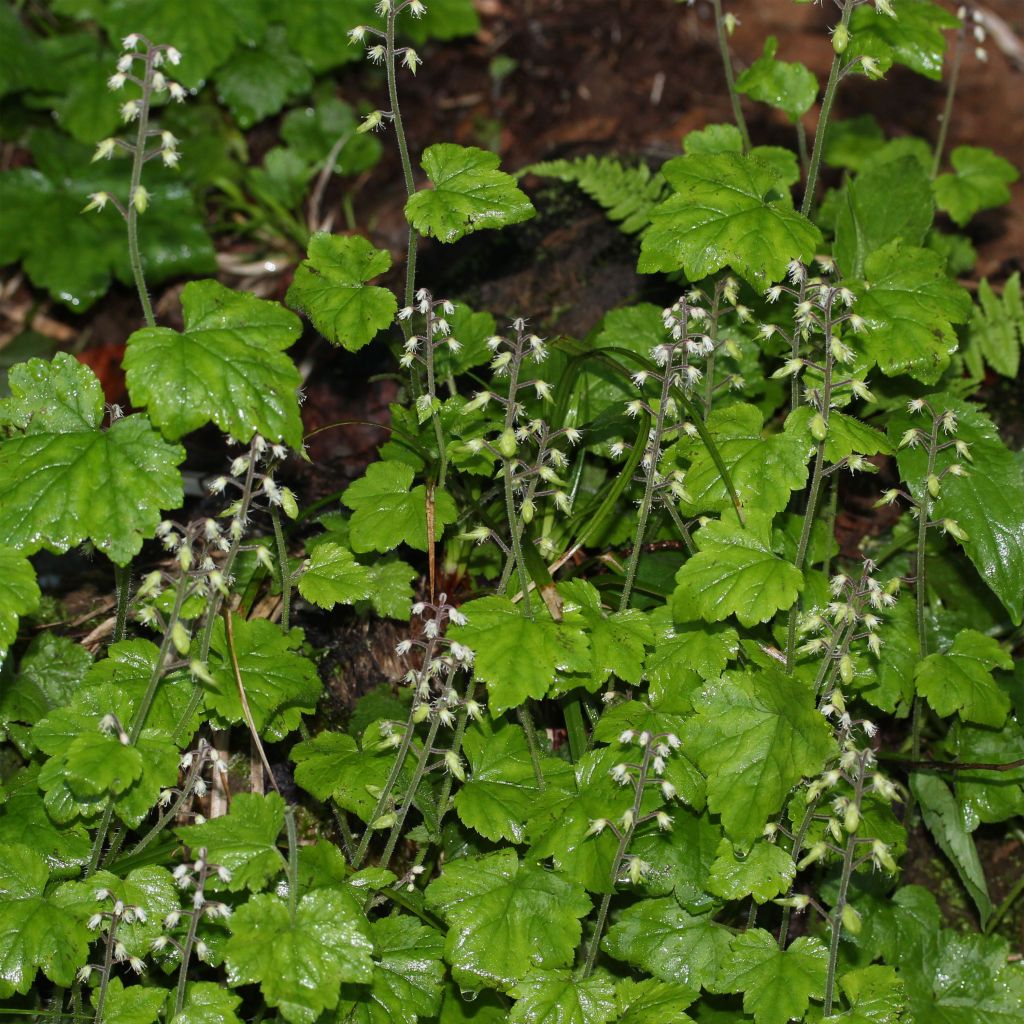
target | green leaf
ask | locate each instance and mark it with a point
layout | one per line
(765, 470)
(333, 576)
(333, 766)
(502, 788)
(909, 305)
(557, 997)
(735, 572)
(20, 56)
(681, 858)
(681, 658)
(444, 19)
(280, 684)
(505, 918)
(469, 193)
(206, 36)
(653, 1002)
(617, 641)
(24, 820)
(59, 396)
(472, 331)
(299, 961)
(659, 937)
(227, 367)
(888, 203)
(407, 975)
(330, 288)
(258, 81)
(313, 132)
(725, 138)
(980, 181)
(960, 680)
(559, 825)
(755, 735)
(946, 823)
(997, 327)
(206, 1002)
(777, 985)
(876, 995)
(98, 764)
(764, 872)
(985, 796)
(107, 486)
(517, 657)
(19, 595)
(74, 255)
(319, 33)
(35, 930)
(388, 511)
(988, 504)
(244, 840)
(791, 88)
(136, 1004)
(914, 38)
(728, 210)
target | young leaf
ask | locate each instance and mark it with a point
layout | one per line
(557, 997)
(517, 657)
(388, 511)
(107, 486)
(227, 367)
(910, 305)
(19, 595)
(980, 182)
(891, 202)
(59, 396)
(279, 684)
(988, 503)
(653, 1002)
(946, 823)
(136, 1004)
(244, 840)
(258, 81)
(502, 788)
(727, 210)
(300, 960)
(661, 938)
(791, 88)
(206, 1002)
(960, 680)
(330, 288)
(997, 327)
(777, 985)
(914, 38)
(735, 572)
(755, 735)
(846, 434)
(559, 826)
(74, 255)
(333, 576)
(505, 918)
(407, 975)
(765, 470)
(469, 193)
(764, 872)
(35, 929)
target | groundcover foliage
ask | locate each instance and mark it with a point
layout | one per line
(621, 780)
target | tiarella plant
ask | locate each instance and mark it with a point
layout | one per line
(660, 745)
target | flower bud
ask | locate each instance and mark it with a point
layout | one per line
(840, 39)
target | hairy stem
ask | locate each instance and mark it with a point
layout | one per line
(108, 965)
(123, 583)
(132, 213)
(190, 941)
(947, 110)
(530, 730)
(828, 98)
(293, 863)
(285, 576)
(734, 98)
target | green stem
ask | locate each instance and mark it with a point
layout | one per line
(526, 721)
(801, 145)
(947, 110)
(403, 152)
(293, 863)
(815, 492)
(190, 940)
(172, 812)
(446, 787)
(734, 99)
(108, 965)
(132, 214)
(798, 845)
(339, 814)
(1008, 901)
(827, 100)
(284, 573)
(123, 584)
(652, 472)
(442, 454)
(837, 910)
(517, 540)
(410, 793)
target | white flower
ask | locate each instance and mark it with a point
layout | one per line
(173, 55)
(130, 42)
(177, 91)
(115, 82)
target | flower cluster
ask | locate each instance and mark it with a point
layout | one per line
(193, 876)
(108, 921)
